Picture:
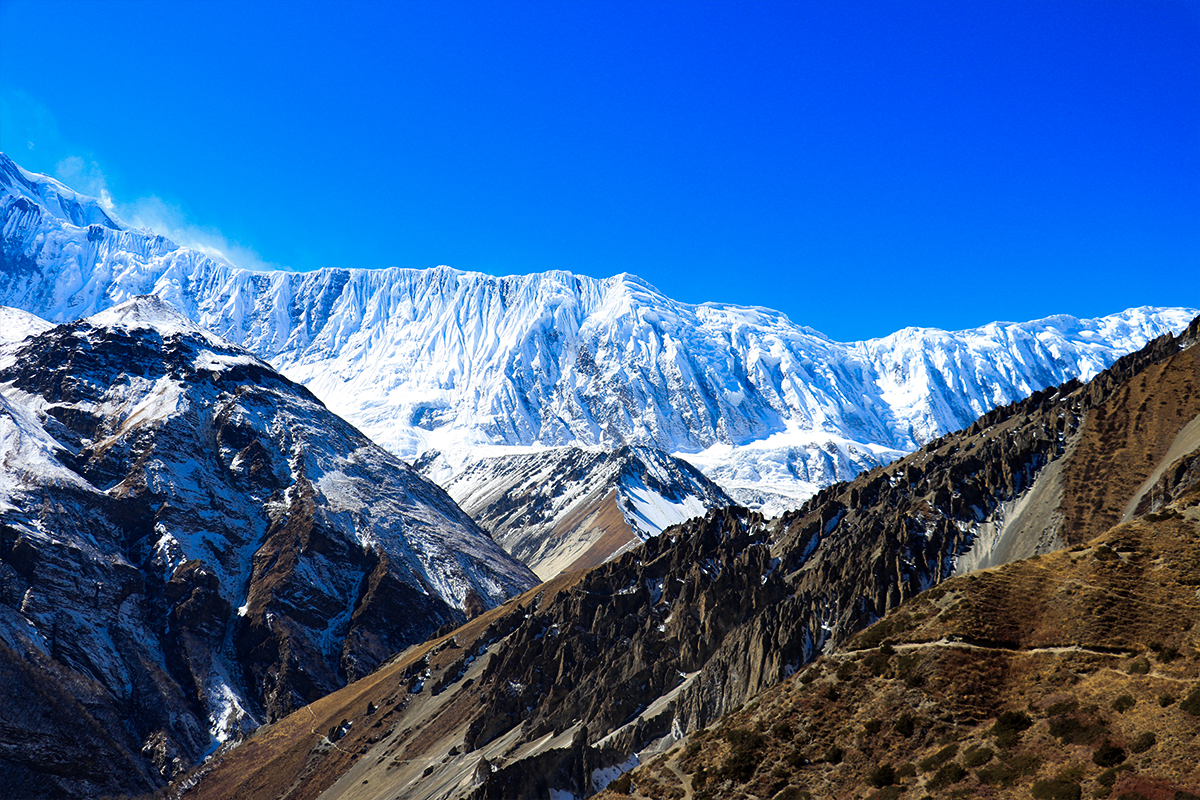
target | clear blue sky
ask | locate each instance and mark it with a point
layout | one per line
(860, 166)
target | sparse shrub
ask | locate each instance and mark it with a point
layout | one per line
(834, 755)
(831, 693)
(845, 670)
(1062, 707)
(873, 636)
(1165, 699)
(1108, 755)
(622, 785)
(906, 670)
(1140, 666)
(939, 758)
(1070, 730)
(1009, 771)
(872, 726)
(746, 751)
(977, 757)
(908, 770)
(1009, 726)
(905, 725)
(1123, 703)
(949, 774)
(1144, 742)
(810, 675)
(1057, 789)
(782, 730)
(877, 663)
(1108, 777)
(884, 775)
(1191, 703)
(1072, 772)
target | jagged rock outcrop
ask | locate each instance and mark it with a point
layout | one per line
(191, 544)
(1075, 674)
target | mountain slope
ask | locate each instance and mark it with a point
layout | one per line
(1074, 674)
(565, 508)
(190, 544)
(582, 679)
(769, 409)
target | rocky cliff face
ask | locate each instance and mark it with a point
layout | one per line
(567, 688)
(191, 544)
(562, 509)
(769, 409)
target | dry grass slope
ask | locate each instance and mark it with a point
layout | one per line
(1075, 674)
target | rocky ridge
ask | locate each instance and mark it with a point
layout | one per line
(562, 509)
(572, 685)
(191, 544)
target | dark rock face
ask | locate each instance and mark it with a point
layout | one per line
(191, 544)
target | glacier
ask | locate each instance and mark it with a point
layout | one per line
(470, 364)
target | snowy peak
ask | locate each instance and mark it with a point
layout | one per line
(57, 199)
(150, 312)
(16, 325)
(562, 509)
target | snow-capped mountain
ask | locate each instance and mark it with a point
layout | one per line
(459, 361)
(190, 543)
(566, 508)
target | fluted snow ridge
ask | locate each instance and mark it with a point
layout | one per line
(457, 360)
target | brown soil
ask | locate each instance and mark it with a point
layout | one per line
(1124, 440)
(615, 532)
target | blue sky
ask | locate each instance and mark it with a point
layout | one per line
(860, 166)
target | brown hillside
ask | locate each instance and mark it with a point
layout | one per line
(1067, 675)
(1123, 440)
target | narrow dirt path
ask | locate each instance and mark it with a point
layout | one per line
(686, 780)
(322, 736)
(1074, 648)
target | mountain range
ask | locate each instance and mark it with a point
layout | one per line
(770, 410)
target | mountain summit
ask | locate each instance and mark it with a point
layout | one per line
(769, 409)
